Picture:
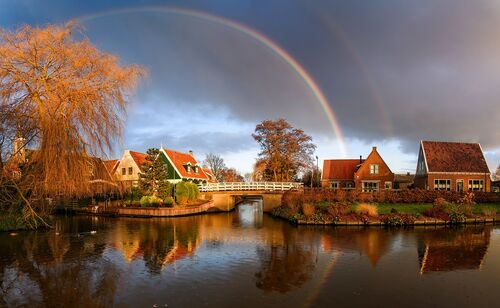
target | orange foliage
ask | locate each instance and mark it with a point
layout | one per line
(67, 98)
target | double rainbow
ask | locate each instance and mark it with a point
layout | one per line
(273, 46)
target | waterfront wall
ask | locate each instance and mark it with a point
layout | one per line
(166, 212)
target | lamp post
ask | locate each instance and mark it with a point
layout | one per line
(317, 169)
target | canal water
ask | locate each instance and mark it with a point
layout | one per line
(247, 259)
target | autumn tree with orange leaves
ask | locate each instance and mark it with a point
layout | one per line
(67, 99)
(285, 151)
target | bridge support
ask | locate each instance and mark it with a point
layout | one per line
(222, 202)
(226, 201)
(271, 201)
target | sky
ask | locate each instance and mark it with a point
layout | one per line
(392, 72)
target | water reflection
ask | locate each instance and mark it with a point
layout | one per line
(453, 249)
(254, 258)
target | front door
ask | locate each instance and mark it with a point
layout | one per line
(460, 185)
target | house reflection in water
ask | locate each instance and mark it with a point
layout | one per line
(159, 243)
(371, 242)
(453, 249)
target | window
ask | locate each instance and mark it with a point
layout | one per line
(124, 171)
(460, 185)
(370, 186)
(188, 168)
(196, 169)
(442, 184)
(373, 169)
(476, 185)
(388, 185)
(130, 169)
(334, 185)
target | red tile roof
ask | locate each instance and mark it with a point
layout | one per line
(180, 160)
(210, 174)
(111, 165)
(340, 169)
(139, 158)
(454, 157)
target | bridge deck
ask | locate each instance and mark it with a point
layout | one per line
(250, 186)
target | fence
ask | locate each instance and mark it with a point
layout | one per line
(241, 186)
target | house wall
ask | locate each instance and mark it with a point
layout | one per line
(126, 162)
(384, 173)
(342, 183)
(456, 176)
(173, 176)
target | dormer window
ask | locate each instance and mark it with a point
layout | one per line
(196, 169)
(188, 168)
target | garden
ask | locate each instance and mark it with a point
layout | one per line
(406, 207)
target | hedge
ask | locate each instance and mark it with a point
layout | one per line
(295, 198)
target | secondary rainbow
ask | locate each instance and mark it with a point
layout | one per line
(278, 50)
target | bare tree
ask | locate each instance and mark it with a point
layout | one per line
(496, 176)
(67, 99)
(216, 164)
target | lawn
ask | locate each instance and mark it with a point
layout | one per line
(403, 208)
(414, 208)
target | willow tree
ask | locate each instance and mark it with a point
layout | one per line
(67, 99)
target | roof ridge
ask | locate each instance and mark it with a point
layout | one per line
(462, 142)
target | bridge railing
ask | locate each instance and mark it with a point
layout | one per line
(241, 186)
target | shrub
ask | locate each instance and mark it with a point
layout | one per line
(437, 211)
(367, 209)
(145, 201)
(155, 201)
(182, 192)
(489, 212)
(456, 218)
(463, 209)
(440, 202)
(150, 201)
(193, 191)
(468, 198)
(308, 209)
(398, 219)
(168, 202)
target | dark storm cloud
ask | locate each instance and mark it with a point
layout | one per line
(403, 70)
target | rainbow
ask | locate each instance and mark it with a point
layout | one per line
(283, 54)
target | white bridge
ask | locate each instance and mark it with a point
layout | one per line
(252, 186)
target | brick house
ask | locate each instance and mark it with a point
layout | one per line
(454, 166)
(370, 174)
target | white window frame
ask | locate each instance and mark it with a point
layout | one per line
(388, 187)
(479, 186)
(447, 184)
(463, 184)
(374, 168)
(335, 185)
(371, 188)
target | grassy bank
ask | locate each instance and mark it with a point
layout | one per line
(325, 212)
(420, 208)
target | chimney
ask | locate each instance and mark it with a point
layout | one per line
(374, 148)
(360, 159)
(191, 153)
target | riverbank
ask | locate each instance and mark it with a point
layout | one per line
(207, 206)
(12, 223)
(386, 214)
